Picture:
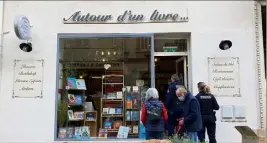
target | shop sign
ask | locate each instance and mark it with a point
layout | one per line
(127, 17)
(22, 28)
(224, 77)
(28, 79)
(92, 65)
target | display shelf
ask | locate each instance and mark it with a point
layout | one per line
(112, 115)
(132, 97)
(112, 102)
(75, 102)
(92, 123)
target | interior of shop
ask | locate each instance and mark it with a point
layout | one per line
(103, 83)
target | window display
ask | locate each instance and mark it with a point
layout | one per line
(112, 75)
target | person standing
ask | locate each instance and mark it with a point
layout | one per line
(174, 109)
(154, 115)
(192, 118)
(208, 104)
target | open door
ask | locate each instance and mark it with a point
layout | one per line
(182, 72)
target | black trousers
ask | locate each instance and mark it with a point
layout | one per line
(209, 124)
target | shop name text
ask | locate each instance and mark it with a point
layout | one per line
(127, 17)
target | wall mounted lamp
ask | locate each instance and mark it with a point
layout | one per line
(225, 44)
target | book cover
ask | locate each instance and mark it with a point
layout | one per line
(135, 104)
(135, 115)
(111, 95)
(70, 132)
(112, 111)
(129, 104)
(123, 132)
(135, 129)
(90, 116)
(119, 95)
(80, 84)
(128, 115)
(103, 133)
(78, 115)
(71, 98)
(117, 124)
(85, 132)
(70, 115)
(71, 83)
(62, 133)
(107, 125)
(105, 110)
(130, 128)
(78, 99)
(77, 132)
(118, 110)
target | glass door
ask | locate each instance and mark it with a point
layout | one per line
(181, 70)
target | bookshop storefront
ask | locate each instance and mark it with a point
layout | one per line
(86, 71)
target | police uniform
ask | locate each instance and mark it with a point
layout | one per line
(173, 107)
(207, 104)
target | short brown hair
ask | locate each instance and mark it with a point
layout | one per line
(175, 77)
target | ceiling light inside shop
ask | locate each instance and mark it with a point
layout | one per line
(108, 53)
(81, 76)
(102, 53)
(156, 59)
(103, 60)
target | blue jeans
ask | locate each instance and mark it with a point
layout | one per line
(154, 135)
(192, 137)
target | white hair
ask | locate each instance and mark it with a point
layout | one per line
(181, 89)
(152, 93)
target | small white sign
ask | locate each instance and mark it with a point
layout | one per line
(28, 79)
(224, 78)
(123, 132)
(22, 28)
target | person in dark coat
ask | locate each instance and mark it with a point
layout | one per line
(208, 104)
(172, 104)
(191, 117)
(155, 125)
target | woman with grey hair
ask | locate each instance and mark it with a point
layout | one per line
(154, 115)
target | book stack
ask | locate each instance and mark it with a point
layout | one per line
(132, 115)
(112, 111)
(74, 132)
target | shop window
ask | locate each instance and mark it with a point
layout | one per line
(95, 76)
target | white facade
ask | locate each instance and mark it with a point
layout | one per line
(33, 120)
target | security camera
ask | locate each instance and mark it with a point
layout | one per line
(26, 47)
(225, 44)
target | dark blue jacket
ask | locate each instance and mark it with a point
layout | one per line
(171, 99)
(192, 115)
(152, 126)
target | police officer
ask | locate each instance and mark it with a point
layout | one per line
(207, 104)
(172, 104)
